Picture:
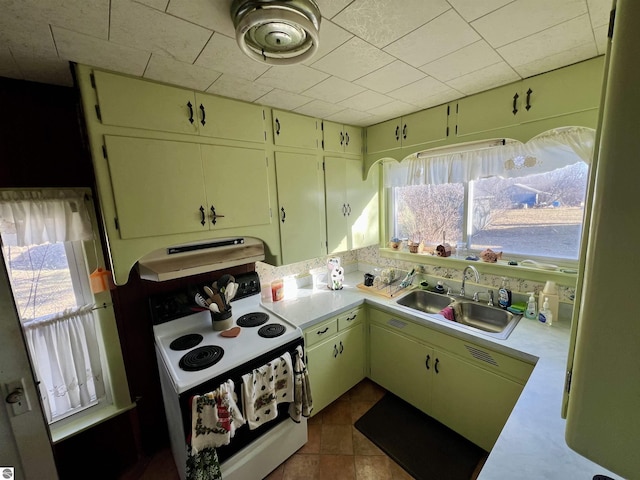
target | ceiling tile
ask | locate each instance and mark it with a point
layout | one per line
(422, 92)
(318, 108)
(157, 4)
(283, 100)
(99, 53)
(157, 32)
(366, 100)
(214, 15)
(223, 55)
(392, 110)
(292, 78)
(522, 18)
(350, 117)
(390, 77)
(331, 37)
(333, 90)
(44, 69)
(234, 87)
(8, 66)
(547, 48)
(472, 9)
(353, 60)
(599, 11)
(28, 36)
(443, 35)
(488, 77)
(466, 60)
(381, 22)
(168, 70)
(330, 8)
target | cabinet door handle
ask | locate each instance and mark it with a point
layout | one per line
(283, 215)
(341, 347)
(190, 112)
(529, 92)
(203, 115)
(214, 215)
(202, 221)
(341, 139)
(515, 103)
(350, 319)
(397, 132)
(277, 127)
(436, 365)
(344, 209)
(426, 363)
(404, 131)
(321, 332)
(348, 209)
(335, 351)
(346, 135)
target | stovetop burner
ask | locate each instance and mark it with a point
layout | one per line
(253, 319)
(201, 358)
(271, 330)
(185, 342)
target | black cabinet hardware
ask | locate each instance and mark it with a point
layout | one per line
(341, 139)
(436, 365)
(283, 215)
(214, 215)
(341, 347)
(426, 363)
(335, 351)
(346, 136)
(277, 127)
(529, 92)
(190, 112)
(320, 332)
(404, 131)
(202, 221)
(515, 103)
(203, 115)
(397, 132)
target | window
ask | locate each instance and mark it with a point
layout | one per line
(526, 201)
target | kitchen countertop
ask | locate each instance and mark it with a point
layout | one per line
(531, 444)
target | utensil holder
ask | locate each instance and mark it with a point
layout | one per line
(221, 321)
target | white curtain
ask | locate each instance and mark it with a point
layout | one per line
(66, 357)
(548, 151)
(35, 217)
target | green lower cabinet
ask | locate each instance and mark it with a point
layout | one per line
(459, 393)
(335, 365)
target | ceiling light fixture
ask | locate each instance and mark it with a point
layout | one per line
(277, 32)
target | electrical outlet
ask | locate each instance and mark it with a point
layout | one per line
(20, 401)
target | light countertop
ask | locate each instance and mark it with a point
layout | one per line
(531, 444)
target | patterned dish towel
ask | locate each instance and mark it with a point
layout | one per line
(264, 388)
(214, 419)
(302, 404)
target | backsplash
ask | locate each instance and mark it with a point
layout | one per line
(365, 259)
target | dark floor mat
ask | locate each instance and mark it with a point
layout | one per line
(424, 447)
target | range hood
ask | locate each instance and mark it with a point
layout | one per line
(194, 258)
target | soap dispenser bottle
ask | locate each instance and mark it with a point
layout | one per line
(545, 315)
(530, 312)
(504, 294)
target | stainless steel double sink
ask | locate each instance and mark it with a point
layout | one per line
(492, 321)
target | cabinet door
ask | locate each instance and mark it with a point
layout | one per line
(129, 102)
(294, 130)
(336, 204)
(300, 206)
(362, 201)
(352, 140)
(402, 366)
(230, 119)
(425, 126)
(333, 137)
(489, 110)
(566, 90)
(351, 355)
(470, 400)
(158, 186)
(237, 186)
(383, 136)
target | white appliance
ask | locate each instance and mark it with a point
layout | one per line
(193, 358)
(603, 373)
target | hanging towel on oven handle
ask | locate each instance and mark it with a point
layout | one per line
(302, 404)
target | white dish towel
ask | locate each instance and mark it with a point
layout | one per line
(264, 388)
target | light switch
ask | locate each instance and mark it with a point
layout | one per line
(16, 397)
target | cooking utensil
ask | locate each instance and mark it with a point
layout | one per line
(217, 300)
(208, 291)
(200, 300)
(214, 308)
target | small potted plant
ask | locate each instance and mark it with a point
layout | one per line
(394, 243)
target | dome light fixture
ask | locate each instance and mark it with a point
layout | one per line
(277, 32)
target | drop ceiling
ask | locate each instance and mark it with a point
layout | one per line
(378, 59)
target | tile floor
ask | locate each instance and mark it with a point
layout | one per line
(336, 450)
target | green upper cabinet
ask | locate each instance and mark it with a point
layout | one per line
(163, 187)
(228, 171)
(338, 138)
(351, 205)
(423, 127)
(491, 110)
(300, 206)
(136, 103)
(295, 130)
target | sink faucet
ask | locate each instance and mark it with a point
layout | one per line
(464, 277)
